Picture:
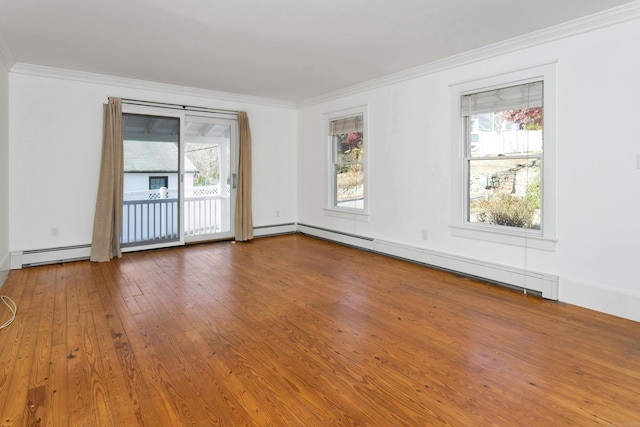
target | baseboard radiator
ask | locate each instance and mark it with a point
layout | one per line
(543, 284)
(30, 258)
(274, 229)
(546, 285)
(20, 259)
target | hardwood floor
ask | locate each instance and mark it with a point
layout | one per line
(295, 331)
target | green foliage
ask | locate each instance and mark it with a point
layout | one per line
(534, 194)
(506, 210)
(200, 179)
(510, 210)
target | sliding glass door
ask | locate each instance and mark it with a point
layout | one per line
(209, 178)
(151, 199)
(179, 178)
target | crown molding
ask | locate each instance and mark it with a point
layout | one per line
(593, 22)
(589, 23)
(6, 57)
(81, 76)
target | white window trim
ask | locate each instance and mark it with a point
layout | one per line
(459, 226)
(330, 209)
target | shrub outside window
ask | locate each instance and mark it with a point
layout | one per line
(503, 158)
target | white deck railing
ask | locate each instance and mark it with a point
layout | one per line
(203, 215)
(152, 216)
(145, 221)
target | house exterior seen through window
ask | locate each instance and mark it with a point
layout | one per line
(503, 160)
(157, 182)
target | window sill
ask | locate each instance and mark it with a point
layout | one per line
(347, 214)
(521, 239)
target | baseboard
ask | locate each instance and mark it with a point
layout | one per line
(543, 284)
(274, 229)
(612, 301)
(606, 300)
(336, 236)
(5, 266)
(33, 257)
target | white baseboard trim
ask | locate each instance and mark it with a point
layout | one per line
(5, 266)
(28, 258)
(541, 283)
(612, 301)
(34, 257)
(16, 260)
(274, 230)
(336, 236)
(4, 274)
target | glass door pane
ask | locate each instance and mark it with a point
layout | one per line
(151, 212)
(209, 168)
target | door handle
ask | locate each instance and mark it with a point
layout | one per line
(234, 180)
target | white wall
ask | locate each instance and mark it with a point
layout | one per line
(55, 144)
(4, 171)
(598, 180)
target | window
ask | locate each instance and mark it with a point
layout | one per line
(503, 154)
(158, 182)
(158, 185)
(347, 162)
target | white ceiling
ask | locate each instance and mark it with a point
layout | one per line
(282, 49)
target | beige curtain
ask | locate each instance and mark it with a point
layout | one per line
(244, 214)
(107, 222)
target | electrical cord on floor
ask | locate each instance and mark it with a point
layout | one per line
(12, 307)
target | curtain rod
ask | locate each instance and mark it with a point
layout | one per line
(178, 106)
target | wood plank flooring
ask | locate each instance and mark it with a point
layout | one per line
(295, 331)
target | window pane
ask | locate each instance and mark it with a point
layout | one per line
(157, 182)
(506, 133)
(505, 192)
(348, 147)
(349, 185)
(346, 164)
(150, 213)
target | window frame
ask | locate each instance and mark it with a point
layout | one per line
(460, 226)
(331, 207)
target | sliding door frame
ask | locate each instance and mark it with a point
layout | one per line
(171, 113)
(232, 122)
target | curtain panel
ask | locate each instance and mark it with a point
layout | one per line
(107, 222)
(244, 214)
